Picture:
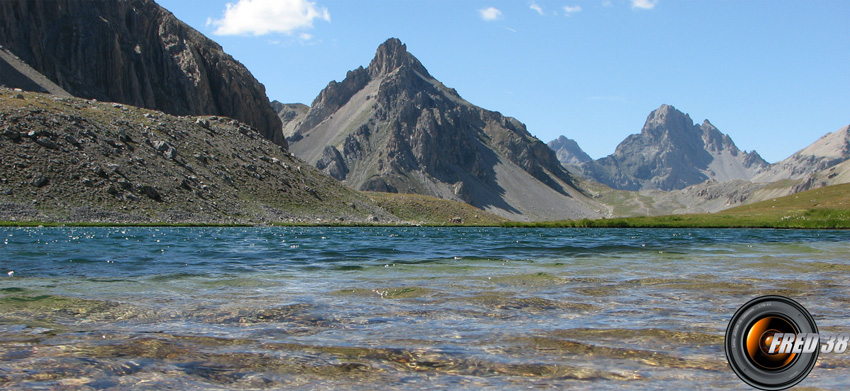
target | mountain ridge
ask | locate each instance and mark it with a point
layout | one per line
(671, 152)
(829, 150)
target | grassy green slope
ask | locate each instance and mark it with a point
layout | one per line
(826, 207)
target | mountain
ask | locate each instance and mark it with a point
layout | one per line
(671, 152)
(828, 151)
(291, 115)
(134, 52)
(392, 127)
(568, 152)
(824, 163)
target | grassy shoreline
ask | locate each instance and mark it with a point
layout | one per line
(672, 221)
(822, 208)
(816, 219)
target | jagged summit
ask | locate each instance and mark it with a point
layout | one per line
(666, 120)
(568, 151)
(671, 152)
(392, 127)
(392, 55)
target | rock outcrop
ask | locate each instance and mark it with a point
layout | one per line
(392, 127)
(134, 52)
(671, 152)
(568, 152)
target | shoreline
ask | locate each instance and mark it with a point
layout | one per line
(620, 223)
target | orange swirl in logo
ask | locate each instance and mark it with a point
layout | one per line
(760, 337)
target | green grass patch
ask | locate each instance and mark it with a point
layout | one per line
(823, 208)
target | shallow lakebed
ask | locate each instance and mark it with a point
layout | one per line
(400, 308)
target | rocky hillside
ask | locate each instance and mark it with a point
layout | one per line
(392, 127)
(137, 53)
(76, 160)
(671, 152)
(568, 152)
(828, 151)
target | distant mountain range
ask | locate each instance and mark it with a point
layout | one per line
(392, 127)
(671, 153)
(675, 166)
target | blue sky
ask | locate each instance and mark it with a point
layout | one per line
(774, 75)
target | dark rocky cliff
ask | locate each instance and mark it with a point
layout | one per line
(134, 52)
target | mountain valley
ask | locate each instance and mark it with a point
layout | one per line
(135, 117)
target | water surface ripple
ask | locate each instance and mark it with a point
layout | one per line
(400, 308)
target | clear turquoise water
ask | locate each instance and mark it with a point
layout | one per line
(400, 308)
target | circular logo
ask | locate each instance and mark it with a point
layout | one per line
(760, 343)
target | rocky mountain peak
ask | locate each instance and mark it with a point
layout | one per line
(671, 152)
(666, 119)
(568, 151)
(715, 140)
(392, 127)
(391, 55)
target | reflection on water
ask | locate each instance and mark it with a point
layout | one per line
(400, 308)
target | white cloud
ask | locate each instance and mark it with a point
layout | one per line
(571, 9)
(259, 17)
(490, 14)
(644, 4)
(536, 8)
